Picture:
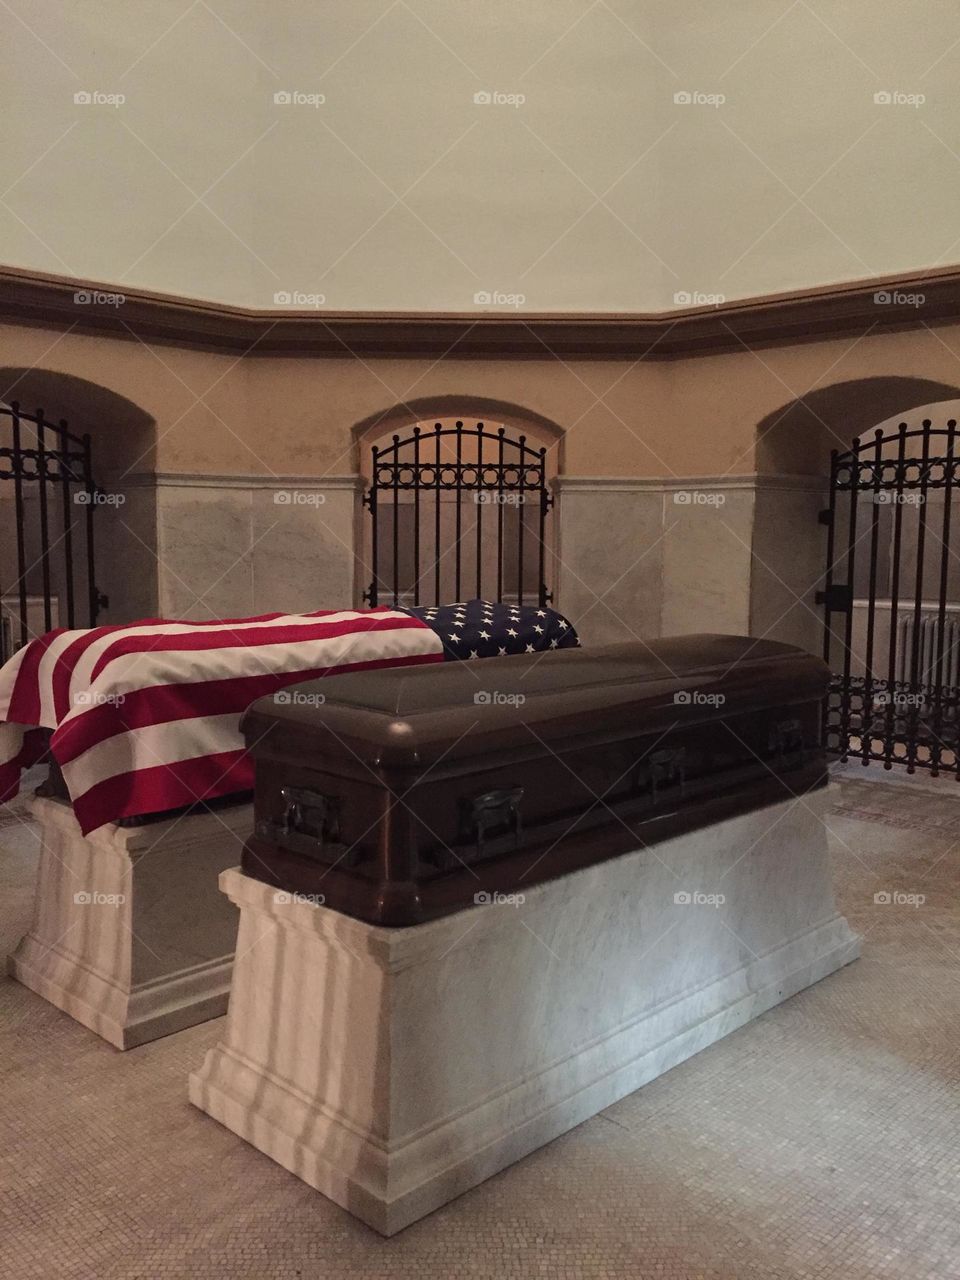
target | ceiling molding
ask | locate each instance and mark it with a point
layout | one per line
(914, 299)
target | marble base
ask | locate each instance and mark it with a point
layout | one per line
(130, 935)
(393, 1069)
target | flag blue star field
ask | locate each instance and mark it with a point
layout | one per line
(485, 629)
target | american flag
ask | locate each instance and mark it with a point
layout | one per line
(145, 717)
(487, 629)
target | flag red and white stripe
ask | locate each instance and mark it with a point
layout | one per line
(146, 717)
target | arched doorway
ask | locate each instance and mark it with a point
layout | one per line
(891, 593)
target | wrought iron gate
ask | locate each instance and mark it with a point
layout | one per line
(46, 528)
(455, 511)
(892, 600)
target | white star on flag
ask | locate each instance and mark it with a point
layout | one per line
(511, 632)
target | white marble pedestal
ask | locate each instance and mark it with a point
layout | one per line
(130, 933)
(393, 1069)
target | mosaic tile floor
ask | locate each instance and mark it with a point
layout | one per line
(823, 1140)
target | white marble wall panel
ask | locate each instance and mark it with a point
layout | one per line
(706, 558)
(789, 550)
(609, 570)
(236, 546)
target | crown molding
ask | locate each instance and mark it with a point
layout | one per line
(35, 298)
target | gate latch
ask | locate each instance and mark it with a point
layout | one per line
(838, 597)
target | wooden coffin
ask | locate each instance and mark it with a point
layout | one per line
(397, 796)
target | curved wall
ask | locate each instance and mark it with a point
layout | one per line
(621, 182)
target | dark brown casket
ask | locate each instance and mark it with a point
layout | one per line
(399, 795)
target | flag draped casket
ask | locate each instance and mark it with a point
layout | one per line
(398, 796)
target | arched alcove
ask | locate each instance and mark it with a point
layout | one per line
(458, 500)
(797, 437)
(124, 523)
(793, 452)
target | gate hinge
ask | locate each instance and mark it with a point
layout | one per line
(825, 516)
(838, 598)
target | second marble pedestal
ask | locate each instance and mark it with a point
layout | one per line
(393, 1069)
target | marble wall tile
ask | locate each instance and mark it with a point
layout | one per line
(609, 570)
(204, 547)
(707, 535)
(789, 551)
(303, 549)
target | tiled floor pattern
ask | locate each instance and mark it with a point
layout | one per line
(821, 1141)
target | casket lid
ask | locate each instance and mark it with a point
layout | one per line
(408, 717)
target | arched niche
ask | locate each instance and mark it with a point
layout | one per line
(123, 444)
(504, 546)
(793, 449)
